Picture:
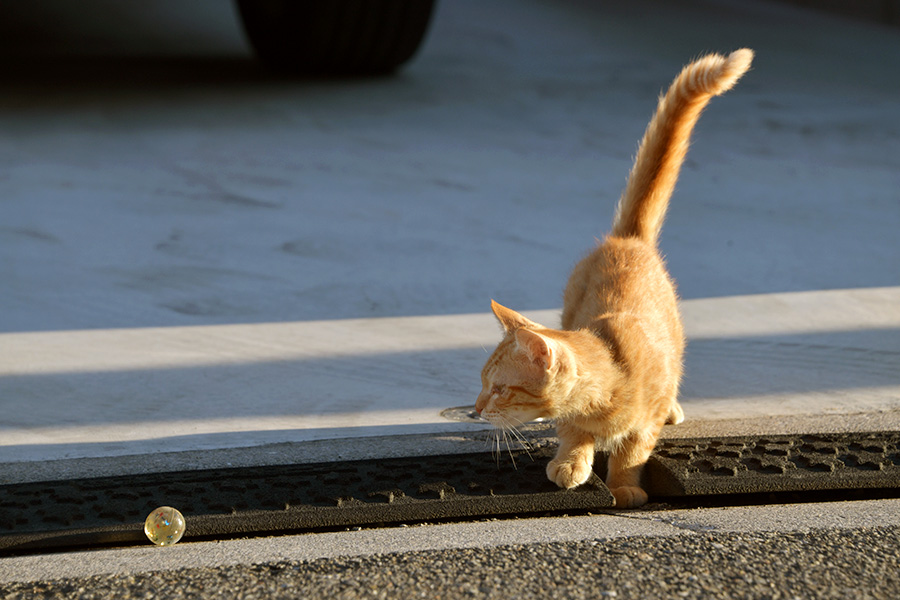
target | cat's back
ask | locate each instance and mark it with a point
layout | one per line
(624, 278)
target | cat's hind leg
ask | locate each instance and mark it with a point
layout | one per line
(676, 415)
(626, 463)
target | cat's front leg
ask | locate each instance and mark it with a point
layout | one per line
(573, 461)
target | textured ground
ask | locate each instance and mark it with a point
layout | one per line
(841, 564)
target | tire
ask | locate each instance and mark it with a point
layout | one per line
(335, 37)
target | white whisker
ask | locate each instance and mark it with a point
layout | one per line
(509, 448)
(526, 446)
(514, 429)
(508, 428)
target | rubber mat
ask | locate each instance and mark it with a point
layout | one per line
(264, 500)
(782, 463)
(309, 497)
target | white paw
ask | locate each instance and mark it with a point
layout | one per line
(568, 474)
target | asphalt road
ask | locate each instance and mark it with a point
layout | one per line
(821, 564)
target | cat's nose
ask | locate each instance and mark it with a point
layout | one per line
(480, 403)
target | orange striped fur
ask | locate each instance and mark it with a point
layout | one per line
(610, 376)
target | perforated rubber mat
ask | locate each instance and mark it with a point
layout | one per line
(261, 500)
(781, 463)
(267, 500)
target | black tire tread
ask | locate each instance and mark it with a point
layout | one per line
(336, 37)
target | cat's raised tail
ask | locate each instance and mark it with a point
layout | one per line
(642, 206)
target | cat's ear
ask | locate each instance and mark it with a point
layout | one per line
(509, 319)
(538, 349)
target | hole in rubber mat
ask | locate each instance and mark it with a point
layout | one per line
(463, 414)
(467, 414)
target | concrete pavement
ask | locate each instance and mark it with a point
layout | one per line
(123, 392)
(605, 528)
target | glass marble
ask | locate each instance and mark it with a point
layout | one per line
(164, 526)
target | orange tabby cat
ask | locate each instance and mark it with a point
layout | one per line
(610, 377)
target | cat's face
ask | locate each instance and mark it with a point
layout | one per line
(516, 377)
(511, 388)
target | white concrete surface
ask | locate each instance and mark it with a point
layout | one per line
(195, 256)
(94, 393)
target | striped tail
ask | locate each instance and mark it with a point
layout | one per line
(642, 207)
